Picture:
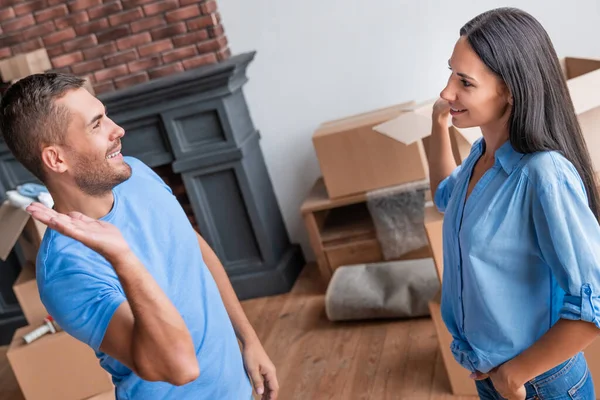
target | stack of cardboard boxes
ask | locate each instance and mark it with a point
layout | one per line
(56, 366)
(583, 80)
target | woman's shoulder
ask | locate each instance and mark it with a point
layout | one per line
(550, 168)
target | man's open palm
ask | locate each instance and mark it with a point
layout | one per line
(100, 236)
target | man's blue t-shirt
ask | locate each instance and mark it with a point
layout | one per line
(81, 290)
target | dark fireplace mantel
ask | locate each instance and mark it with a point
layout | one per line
(198, 122)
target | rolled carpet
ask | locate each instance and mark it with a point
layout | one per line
(392, 289)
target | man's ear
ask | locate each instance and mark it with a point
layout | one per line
(54, 160)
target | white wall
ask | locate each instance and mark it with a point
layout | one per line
(323, 59)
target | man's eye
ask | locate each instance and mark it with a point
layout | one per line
(97, 125)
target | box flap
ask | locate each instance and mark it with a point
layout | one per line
(583, 91)
(369, 118)
(415, 124)
(12, 222)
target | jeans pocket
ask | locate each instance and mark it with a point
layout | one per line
(570, 380)
(582, 390)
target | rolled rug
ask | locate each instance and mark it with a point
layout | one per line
(392, 289)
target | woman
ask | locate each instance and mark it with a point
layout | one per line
(521, 233)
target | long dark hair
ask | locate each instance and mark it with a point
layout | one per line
(516, 47)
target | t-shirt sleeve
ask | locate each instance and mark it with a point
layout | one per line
(82, 304)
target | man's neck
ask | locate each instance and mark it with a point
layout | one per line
(70, 198)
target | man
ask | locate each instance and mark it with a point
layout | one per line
(120, 267)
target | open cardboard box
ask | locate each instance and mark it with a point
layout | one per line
(413, 125)
(26, 291)
(56, 367)
(355, 159)
(16, 225)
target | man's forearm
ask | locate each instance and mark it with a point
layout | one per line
(159, 332)
(564, 340)
(242, 326)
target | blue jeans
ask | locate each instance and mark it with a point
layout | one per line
(570, 380)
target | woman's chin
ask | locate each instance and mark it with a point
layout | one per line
(462, 124)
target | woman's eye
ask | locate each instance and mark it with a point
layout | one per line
(465, 83)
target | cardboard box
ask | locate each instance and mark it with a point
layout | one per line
(56, 367)
(26, 291)
(355, 159)
(22, 65)
(460, 383)
(433, 229)
(17, 225)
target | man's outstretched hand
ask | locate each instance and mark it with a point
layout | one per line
(102, 237)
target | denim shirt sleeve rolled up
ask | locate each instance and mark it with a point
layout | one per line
(569, 239)
(520, 252)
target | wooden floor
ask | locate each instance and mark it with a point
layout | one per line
(317, 359)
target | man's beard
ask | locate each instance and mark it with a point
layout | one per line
(95, 177)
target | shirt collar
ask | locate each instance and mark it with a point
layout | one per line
(506, 156)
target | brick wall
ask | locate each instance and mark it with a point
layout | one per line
(116, 43)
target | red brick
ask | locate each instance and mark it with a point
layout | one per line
(55, 2)
(63, 70)
(224, 54)
(122, 57)
(134, 41)
(104, 87)
(198, 61)
(97, 25)
(38, 31)
(215, 31)
(125, 17)
(8, 3)
(105, 10)
(155, 48)
(182, 14)
(147, 23)
(10, 39)
(113, 34)
(145, 64)
(55, 51)
(111, 73)
(202, 22)
(80, 43)
(7, 13)
(212, 45)
(168, 31)
(160, 7)
(100, 51)
(88, 66)
(91, 78)
(190, 38)
(30, 7)
(127, 4)
(179, 54)
(67, 60)
(74, 19)
(59, 37)
(5, 52)
(18, 23)
(30, 45)
(208, 7)
(165, 70)
(78, 5)
(51, 13)
(183, 3)
(131, 80)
